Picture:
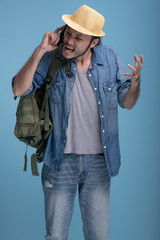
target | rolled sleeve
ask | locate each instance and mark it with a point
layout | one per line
(40, 74)
(122, 91)
(29, 91)
(123, 82)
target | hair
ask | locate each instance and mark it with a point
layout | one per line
(94, 37)
(62, 35)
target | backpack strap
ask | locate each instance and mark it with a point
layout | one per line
(56, 62)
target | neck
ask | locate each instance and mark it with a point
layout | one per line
(84, 61)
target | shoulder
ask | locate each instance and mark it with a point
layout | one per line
(106, 53)
(46, 58)
(104, 49)
(44, 64)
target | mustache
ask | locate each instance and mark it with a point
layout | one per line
(68, 45)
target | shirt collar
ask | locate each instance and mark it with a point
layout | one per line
(96, 56)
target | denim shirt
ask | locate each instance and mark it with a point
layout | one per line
(109, 85)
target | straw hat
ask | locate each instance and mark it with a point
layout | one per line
(86, 20)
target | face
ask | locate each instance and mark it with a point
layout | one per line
(75, 44)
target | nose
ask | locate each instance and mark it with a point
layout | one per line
(70, 40)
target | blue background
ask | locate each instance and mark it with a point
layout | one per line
(131, 26)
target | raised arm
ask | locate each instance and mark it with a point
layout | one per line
(24, 77)
(132, 94)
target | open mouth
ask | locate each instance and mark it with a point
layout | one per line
(68, 48)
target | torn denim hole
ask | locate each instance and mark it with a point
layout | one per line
(49, 237)
(47, 184)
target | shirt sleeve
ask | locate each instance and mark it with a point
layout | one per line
(123, 82)
(40, 74)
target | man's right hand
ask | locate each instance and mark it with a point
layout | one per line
(24, 77)
(50, 40)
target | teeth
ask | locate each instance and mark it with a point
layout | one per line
(70, 49)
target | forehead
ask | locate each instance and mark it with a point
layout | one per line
(74, 32)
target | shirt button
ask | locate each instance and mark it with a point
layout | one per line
(99, 102)
(68, 111)
(95, 89)
(102, 116)
(104, 146)
(103, 131)
(90, 75)
(109, 89)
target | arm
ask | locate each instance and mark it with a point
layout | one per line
(24, 78)
(132, 94)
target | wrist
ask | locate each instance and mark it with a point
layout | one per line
(135, 85)
(43, 49)
(40, 50)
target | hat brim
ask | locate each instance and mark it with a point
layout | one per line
(67, 19)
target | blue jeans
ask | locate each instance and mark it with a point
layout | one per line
(88, 172)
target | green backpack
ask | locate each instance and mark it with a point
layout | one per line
(33, 123)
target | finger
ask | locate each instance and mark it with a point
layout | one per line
(132, 68)
(136, 58)
(142, 59)
(53, 37)
(138, 63)
(128, 74)
(57, 39)
(59, 29)
(48, 36)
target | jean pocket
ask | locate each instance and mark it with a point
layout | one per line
(47, 176)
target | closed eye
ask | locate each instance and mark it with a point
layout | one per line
(68, 33)
(78, 38)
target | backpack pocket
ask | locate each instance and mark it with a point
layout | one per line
(27, 128)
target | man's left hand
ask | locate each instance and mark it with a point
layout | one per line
(135, 75)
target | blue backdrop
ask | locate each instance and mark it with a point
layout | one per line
(131, 26)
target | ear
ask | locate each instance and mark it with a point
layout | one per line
(94, 42)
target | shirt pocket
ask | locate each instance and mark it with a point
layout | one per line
(57, 90)
(110, 91)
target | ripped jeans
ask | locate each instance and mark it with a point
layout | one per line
(88, 172)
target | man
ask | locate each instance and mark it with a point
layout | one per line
(83, 149)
